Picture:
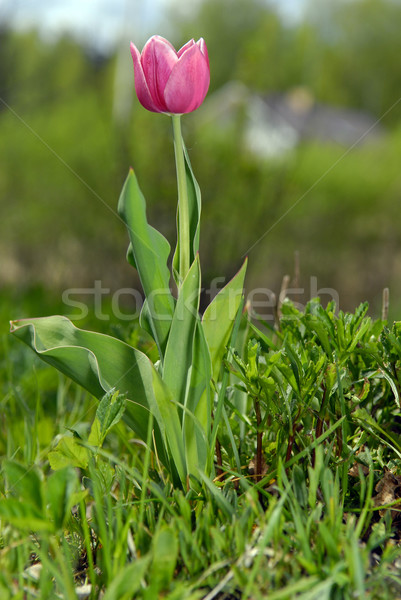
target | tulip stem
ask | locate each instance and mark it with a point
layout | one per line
(183, 208)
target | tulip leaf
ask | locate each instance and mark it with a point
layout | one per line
(198, 405)
(194, 209)
(171, 427)
(194, 199)
(178, 356)
(183, 365)
(100, 363)
(219, 317)
(148, 253)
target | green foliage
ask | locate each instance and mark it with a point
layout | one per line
(313, 525)
(70, 451)
(163, 410)
(35, 504)
(164, 559)
(325, 371)
(97, 362)
(306, 423)
(109, 412)
(343, 233)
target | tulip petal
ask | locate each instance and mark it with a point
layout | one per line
(158, 59)
(188, 83)
(141, 86)
(185, 47)
(202, 46)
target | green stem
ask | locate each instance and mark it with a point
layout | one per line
(183, 208)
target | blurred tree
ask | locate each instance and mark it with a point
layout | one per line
(226, 25)
(346, 51)
(361, 44)
(63, 161)
(7, 65)
(56, 136)
(278, 57)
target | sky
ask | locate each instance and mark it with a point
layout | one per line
(105, 21)
(100, 21)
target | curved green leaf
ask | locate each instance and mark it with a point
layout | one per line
(100, 363)
(219, 317)
(172, 427)
(178, 356)
(198, 403)
(148, 253)
(184, 371)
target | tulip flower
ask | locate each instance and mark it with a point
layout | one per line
(174, 83)
(171, 82)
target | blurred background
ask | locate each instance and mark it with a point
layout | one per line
(296, 148)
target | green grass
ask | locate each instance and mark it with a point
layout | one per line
(305, 506)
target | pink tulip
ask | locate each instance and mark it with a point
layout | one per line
(171, 82)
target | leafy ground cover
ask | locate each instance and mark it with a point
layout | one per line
(305, 503)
